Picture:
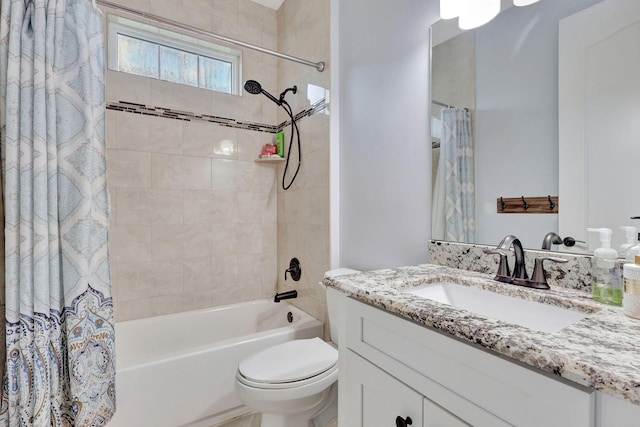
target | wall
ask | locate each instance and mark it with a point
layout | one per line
(384, 139)
(192, 228)
(303, 210)
(517, 116)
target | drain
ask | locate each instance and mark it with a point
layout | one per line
(290, 317)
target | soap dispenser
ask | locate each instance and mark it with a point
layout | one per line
(634, 250)
(631, 299)
(631, 234)
(607, 280)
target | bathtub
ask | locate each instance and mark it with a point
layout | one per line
(179, 369)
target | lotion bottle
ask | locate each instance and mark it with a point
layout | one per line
(631, 234)
(634, 250)
(631, 297)
(607, 280)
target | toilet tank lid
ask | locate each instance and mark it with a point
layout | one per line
(340, 272)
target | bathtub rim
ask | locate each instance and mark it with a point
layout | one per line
(306, 321)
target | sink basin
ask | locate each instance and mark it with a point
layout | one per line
(533, 315)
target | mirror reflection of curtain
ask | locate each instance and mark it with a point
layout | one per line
(453, 205)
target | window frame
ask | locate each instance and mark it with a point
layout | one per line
(118, 25)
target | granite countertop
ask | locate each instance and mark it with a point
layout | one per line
(601, 351)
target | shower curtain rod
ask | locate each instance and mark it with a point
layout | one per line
(442, 104)
(317, 65)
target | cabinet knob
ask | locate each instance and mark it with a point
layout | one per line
(403, 422)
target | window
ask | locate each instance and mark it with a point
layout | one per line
(154, 52)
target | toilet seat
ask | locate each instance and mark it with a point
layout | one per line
(289, 365)
(330, 374)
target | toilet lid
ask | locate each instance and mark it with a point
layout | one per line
(288, 362)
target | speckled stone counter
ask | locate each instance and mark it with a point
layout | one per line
(574, 274)
(601, 351)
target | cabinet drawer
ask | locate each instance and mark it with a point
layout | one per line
(375, 397)
(436, 416)
(521, 396)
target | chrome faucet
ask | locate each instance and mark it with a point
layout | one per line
(551, 238)
(519, 269)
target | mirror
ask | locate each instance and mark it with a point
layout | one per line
(506, 74)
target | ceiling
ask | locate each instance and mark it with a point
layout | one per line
(273, 4)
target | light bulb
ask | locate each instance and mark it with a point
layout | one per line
(477, 12)
(450, 9)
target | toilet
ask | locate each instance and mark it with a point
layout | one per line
(290, 383)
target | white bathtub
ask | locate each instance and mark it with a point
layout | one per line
(179, 369)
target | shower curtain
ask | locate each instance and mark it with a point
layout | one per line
(60, 366)
(453, 206)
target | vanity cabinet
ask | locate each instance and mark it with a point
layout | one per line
(384, 401)
(391, 367)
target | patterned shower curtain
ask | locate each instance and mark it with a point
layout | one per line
(456, 158)
(60, 365)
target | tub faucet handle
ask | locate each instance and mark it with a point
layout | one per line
(294, 270)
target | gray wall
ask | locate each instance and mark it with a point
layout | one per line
(517, 116)
(384, 138)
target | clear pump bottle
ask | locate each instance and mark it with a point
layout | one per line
(631, 234)
(607, 277)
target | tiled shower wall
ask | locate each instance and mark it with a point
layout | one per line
(303, 210)
(192, 228)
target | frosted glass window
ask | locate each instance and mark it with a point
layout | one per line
(148, 51)
(178, 66)
(137, 56)
(215, 74)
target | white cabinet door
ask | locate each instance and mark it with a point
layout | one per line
(375, 398)
(436, 416)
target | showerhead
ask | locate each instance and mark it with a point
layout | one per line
(254, 88)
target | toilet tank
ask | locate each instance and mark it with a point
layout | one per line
(333, 302)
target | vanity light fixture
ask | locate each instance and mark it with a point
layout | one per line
(477, 13)
(450, 9)
(474, 13)
(524, 2)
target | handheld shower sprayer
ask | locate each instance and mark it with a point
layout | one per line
(255, 88)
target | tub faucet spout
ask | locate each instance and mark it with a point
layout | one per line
(285, 295)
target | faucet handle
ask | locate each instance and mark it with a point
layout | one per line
(294, 269)
(503, 267)
(539, 279)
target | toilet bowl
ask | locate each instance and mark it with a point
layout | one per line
(290, 383)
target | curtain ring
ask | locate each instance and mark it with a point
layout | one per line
(551, 204)
(525, 204)
(503, 205)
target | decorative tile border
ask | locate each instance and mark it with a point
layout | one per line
(575, 274)
(168, 113)
(316, 108)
